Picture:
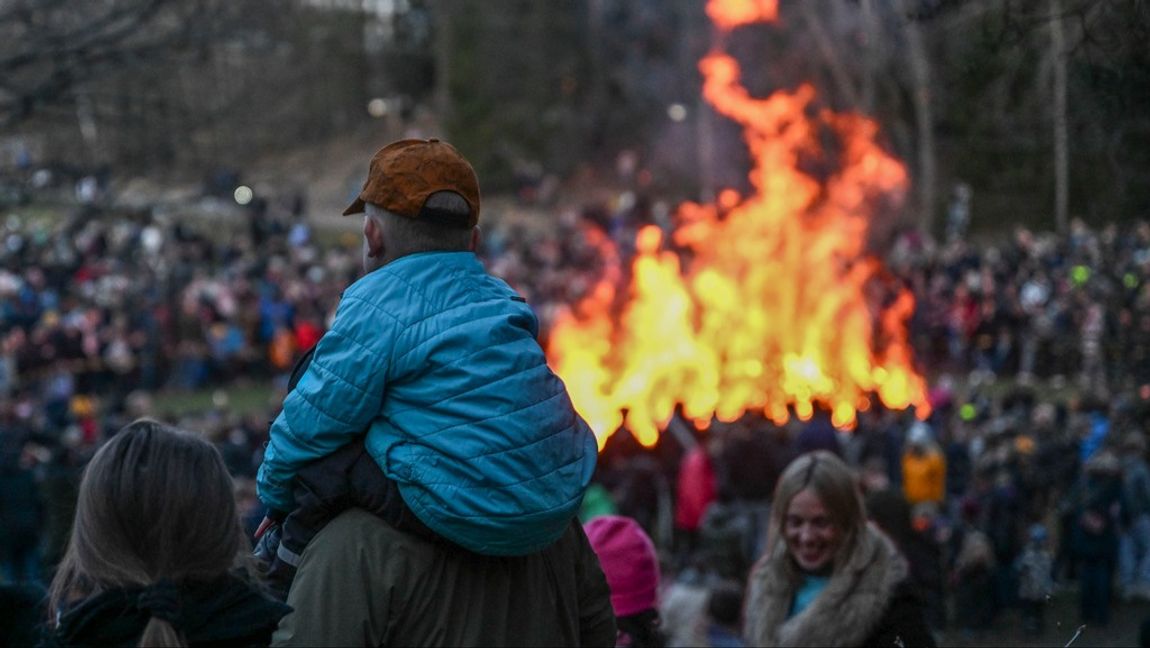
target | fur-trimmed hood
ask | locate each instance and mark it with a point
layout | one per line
(846, 612)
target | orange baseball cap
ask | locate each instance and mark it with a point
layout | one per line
(403, 174)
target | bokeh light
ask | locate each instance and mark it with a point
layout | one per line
(243, 195)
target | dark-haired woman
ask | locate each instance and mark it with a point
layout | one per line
(154, 550)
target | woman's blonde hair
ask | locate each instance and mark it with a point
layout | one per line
(155, 509)
(836, 486)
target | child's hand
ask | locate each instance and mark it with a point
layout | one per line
(276, 573)
(267, 541)
(264, 526)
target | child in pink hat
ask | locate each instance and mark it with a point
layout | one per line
(631, 565)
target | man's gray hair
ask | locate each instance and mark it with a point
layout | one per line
(440, 227)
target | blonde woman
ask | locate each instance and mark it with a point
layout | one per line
(153, 547)
(828, 578)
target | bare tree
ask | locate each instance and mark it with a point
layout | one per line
(1061, 154)
(831, 54)
(51, 49)
(919, 62)
(444, 45)
(159, 86)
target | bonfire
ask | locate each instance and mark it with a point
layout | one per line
(759, 302)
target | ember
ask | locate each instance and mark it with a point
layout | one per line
(773, 307)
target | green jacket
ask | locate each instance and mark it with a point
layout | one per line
(362, 583)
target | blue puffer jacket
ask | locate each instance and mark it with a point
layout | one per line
(438, 362)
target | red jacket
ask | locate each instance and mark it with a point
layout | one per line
(696, 489)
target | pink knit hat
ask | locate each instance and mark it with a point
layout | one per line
(628, 558)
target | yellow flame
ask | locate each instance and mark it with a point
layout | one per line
(773, 310)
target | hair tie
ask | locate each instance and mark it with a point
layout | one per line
(161, 600)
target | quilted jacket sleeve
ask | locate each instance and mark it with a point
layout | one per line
(334, 401)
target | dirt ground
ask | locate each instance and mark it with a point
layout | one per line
(1061, 625)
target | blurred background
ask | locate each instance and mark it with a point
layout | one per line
(171, 174)
(985, 94)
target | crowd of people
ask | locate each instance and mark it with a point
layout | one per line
(996, 512)
(1028, 478)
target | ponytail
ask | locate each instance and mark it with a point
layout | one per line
(161, 600)
(161, 633)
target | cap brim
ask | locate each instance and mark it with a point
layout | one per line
(356, 207)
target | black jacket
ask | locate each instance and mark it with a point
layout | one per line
(224, 612)
(902, 624)
(21, 614)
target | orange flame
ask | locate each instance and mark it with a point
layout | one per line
(774, 308)
(728, 14)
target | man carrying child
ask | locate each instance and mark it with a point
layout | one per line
(429, 409)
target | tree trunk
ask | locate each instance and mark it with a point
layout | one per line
(441, 14)
(89, 133)
(830, 53)
(705, 125)
(872, 35)
(697, 37)
(597, 77)
(924, 119)
(1061, 136)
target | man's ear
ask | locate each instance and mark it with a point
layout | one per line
(476, 238)
(373, 235)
